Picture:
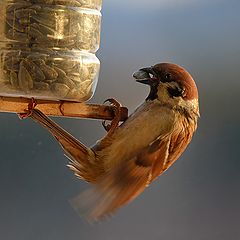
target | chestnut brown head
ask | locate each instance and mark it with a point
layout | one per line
(168, 72)
(169, 83)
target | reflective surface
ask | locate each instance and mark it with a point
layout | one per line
(198, 198)
(47, 48)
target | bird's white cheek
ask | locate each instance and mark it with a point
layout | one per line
(163, 96)
(162, 93)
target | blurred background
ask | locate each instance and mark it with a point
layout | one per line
(198, 198)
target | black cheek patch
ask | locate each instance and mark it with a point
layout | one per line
(175, 92)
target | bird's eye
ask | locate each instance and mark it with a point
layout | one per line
(167, 76)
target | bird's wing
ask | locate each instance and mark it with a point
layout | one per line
(126, 181)
(177, 143)
(123, 184)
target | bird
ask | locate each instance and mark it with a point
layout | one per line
(134, 153)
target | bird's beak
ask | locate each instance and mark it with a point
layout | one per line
(143, 76)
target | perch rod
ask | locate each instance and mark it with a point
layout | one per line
(62, 108)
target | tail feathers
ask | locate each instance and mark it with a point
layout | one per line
(115, 189)
(81, 157)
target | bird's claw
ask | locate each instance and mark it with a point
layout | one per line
(117, 116)
(28, 111)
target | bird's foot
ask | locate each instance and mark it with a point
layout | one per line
(110, 128)
(28, 111)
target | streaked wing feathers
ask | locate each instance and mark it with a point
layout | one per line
(130, 178)
(114, 190)
(124, 183)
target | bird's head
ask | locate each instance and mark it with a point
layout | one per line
(169, 84)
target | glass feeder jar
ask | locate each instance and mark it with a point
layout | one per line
(47, 48)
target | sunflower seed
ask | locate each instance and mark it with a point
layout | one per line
(60, 72)
(12, 64)
(41, 86)
(140, 75)
(15, 35)
(60, 90)
(34, 70)
(67, 81)
(15, 25)
(23, 13)
(24, 78)
(43, 32)
(49, 72)
(14, 79)
(18, 5)
(33, 32)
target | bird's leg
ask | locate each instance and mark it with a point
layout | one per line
(28, 111)
(110, 128)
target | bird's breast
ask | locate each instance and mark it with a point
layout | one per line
(148, 123)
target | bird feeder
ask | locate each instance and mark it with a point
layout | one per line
(47, 52)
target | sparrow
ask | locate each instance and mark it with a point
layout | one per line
(134, 153)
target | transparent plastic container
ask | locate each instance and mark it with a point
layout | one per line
(47, 48)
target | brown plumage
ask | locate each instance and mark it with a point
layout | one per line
(125, 162)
